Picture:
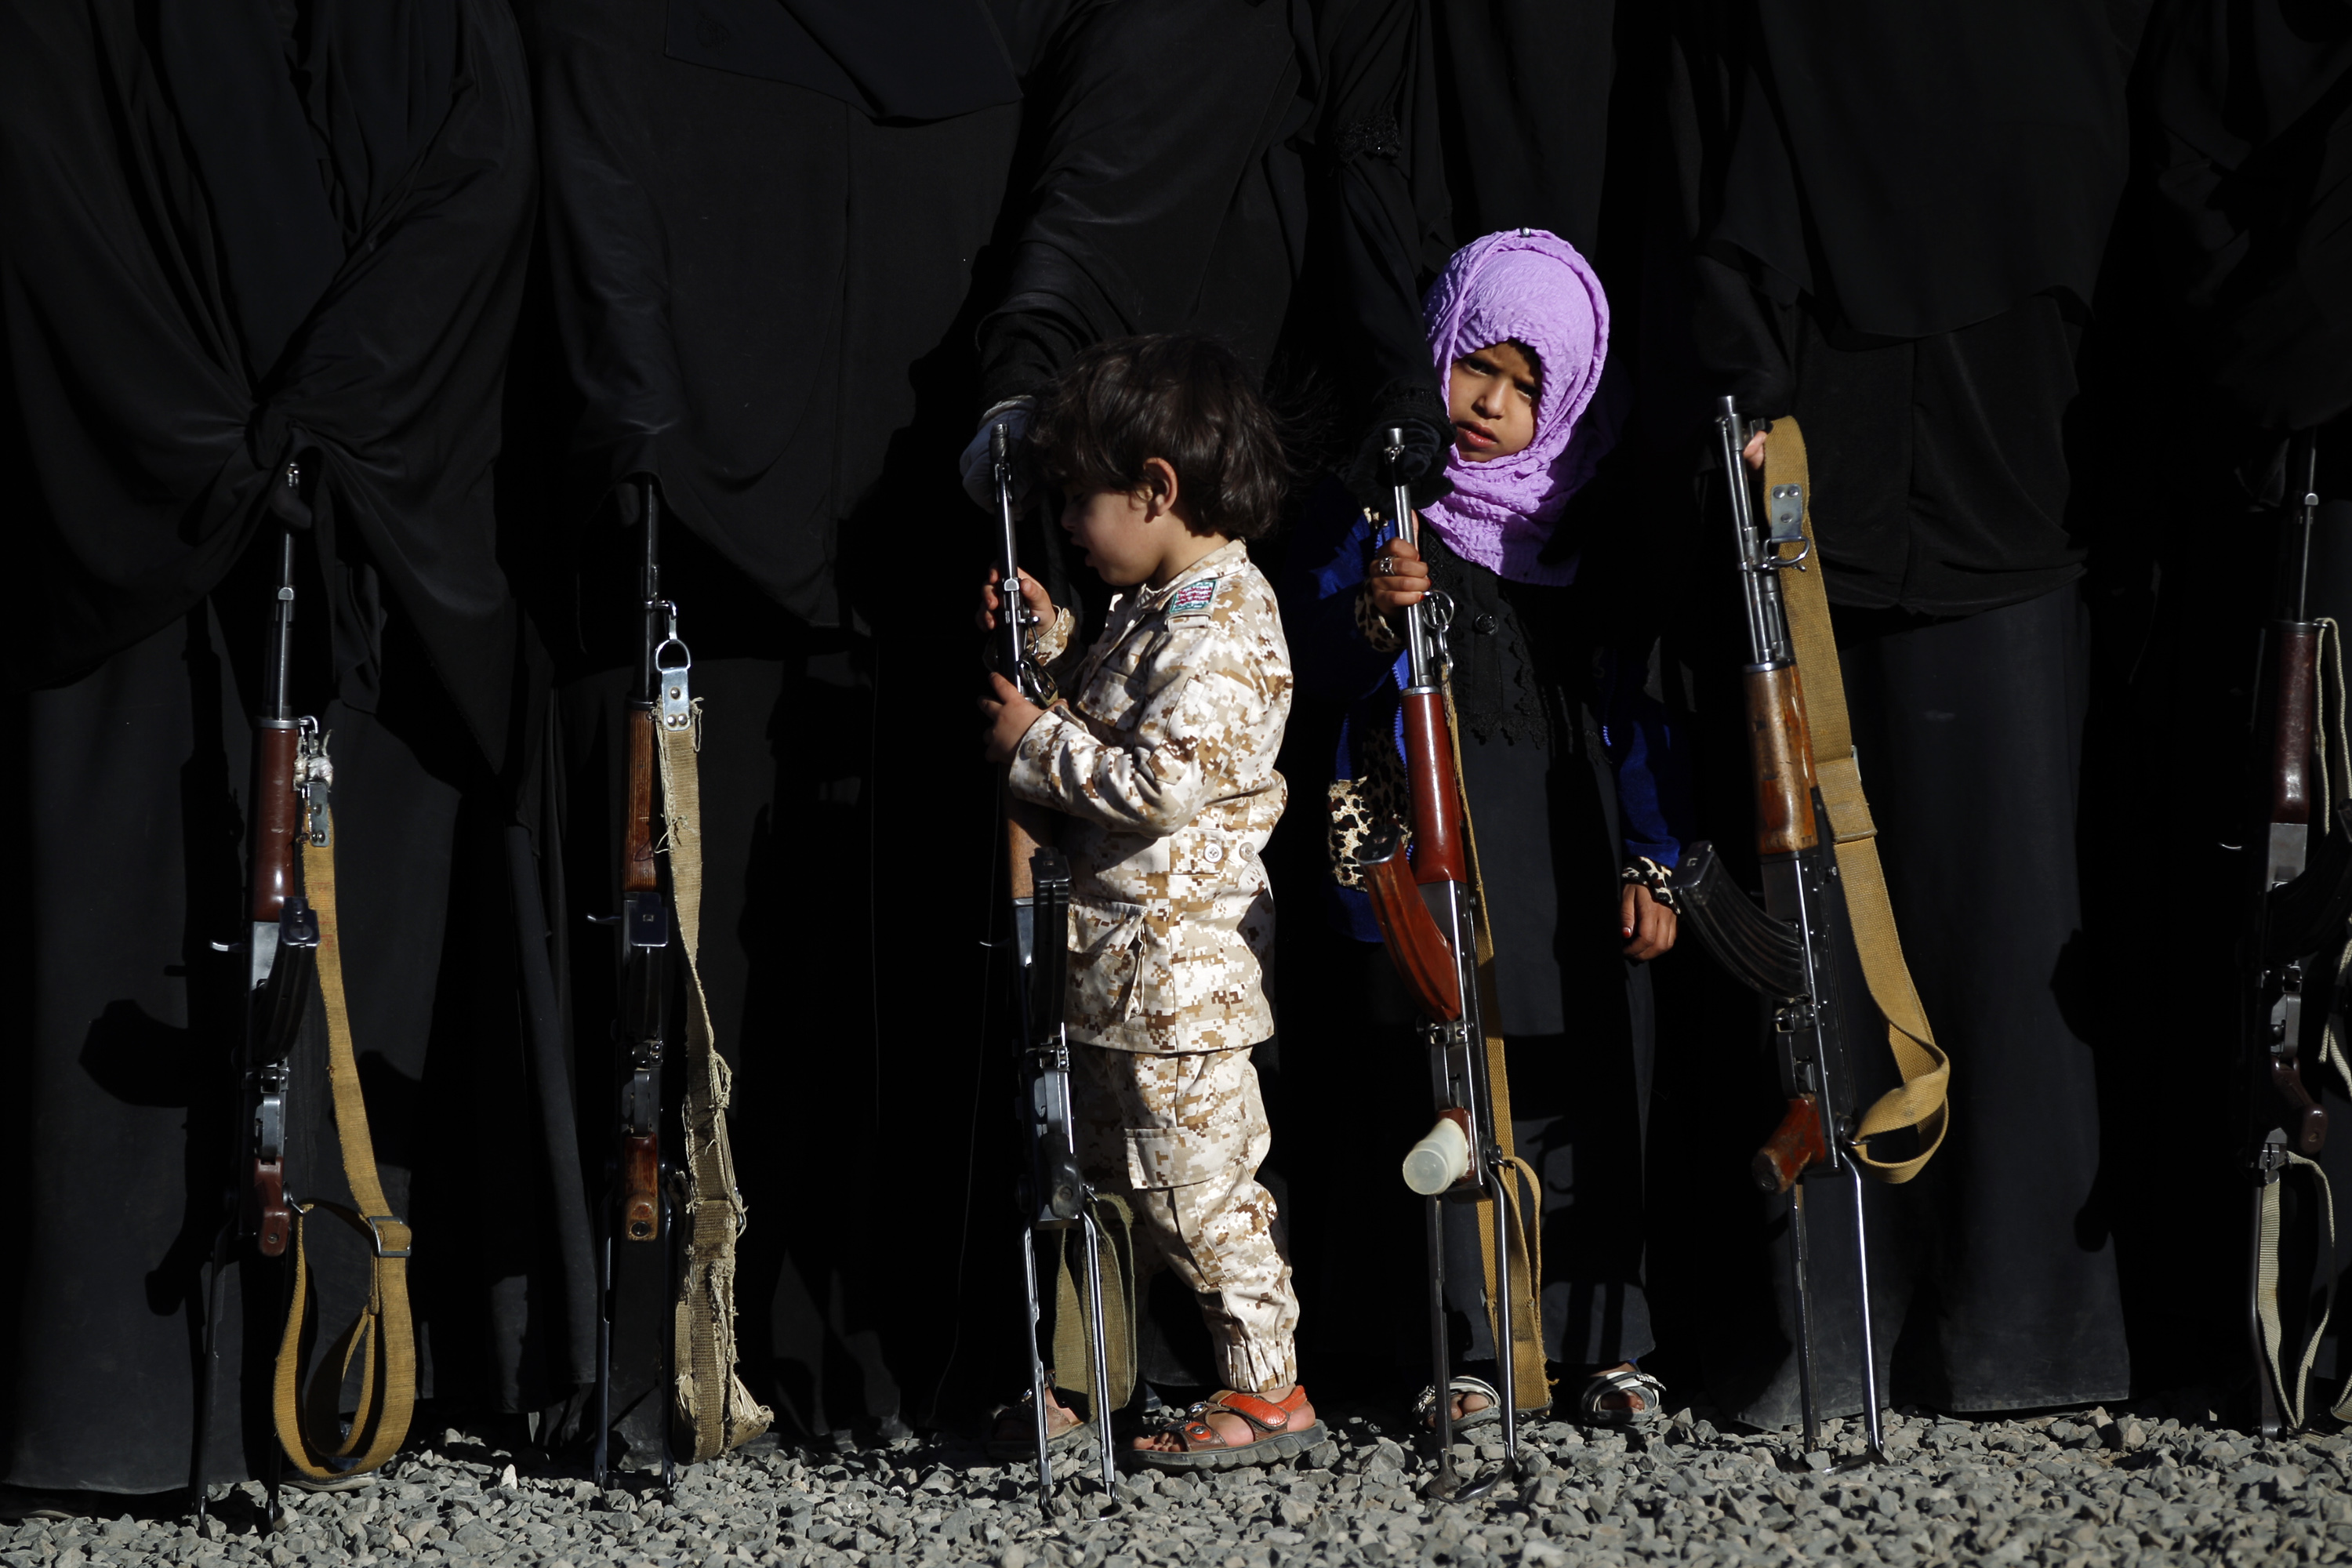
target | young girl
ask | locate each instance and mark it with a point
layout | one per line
(1570, 771)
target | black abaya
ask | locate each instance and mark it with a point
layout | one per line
(255, 265)
(1994, 1279)
(760, 289)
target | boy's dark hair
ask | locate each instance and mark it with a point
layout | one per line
(1178, 397)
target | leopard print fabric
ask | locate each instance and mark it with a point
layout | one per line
(1361, 808)
(1373, 626)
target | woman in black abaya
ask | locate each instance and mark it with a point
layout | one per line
(258, 267)
(1895, 259)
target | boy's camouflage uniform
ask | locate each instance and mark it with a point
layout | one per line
(1163, 760)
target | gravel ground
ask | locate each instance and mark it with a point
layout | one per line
(2081, 1489)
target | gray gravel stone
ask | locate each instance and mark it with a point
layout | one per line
(2138, 1488)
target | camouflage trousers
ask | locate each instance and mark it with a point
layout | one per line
(1180, 1137)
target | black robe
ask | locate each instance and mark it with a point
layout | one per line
(761, 248)
(2229, 278)
(236, 250)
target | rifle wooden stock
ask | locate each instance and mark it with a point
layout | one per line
(2295, 690)
(277, 815)
(1782, 752)
(1437, 852)
(1796, 1146)
(1415, 944)
(638, 874)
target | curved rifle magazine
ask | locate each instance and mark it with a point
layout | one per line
(2309, 912)
(1762, 953)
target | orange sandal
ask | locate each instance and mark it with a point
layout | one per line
(1273, 1442)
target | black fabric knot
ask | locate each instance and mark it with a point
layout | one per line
(1379, 136)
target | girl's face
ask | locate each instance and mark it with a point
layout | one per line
(1491, 398)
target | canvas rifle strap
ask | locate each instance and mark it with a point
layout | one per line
(2290, 1391)
(1073, 1363)
(381, 1339)
(711, 1399)
(1533, 1390)
(1919, 1102)
(2334, 774)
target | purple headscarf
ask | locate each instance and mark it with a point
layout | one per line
(1530, 285)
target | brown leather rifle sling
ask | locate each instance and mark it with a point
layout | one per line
(381, 1339)
(1919, 1100)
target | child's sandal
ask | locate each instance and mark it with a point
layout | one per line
(1424, 1408)
(1013, 1431)
(1204, 1450)
(1630, 1381)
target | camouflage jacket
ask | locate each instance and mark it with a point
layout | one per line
(1163, 760)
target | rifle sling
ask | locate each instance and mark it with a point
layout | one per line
(712, 1402)
(1074, 1322)
(1919, 1103)
(382, 1338)
(1533, 1390)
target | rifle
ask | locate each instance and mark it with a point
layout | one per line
(1053, 1193)
(1427, 914)
(638, 1199)
(291, 770)
(1788, 951)
(2300, 896)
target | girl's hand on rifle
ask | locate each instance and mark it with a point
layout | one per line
(1033, 594)
(1754, 451)
(1007, 715)
(1648, 925)
(1399, 578)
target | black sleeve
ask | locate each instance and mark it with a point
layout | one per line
(1145, 116)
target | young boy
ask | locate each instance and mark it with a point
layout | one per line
(1162, 759)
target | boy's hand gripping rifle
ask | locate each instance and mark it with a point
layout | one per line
(2300, 897)
(1789, 953)
(658, 697)
(1053, 1194)
(1427, 911)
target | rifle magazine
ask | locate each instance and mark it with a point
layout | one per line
(1760, 952)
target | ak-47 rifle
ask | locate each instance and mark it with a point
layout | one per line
(1054, 1194)
(282, 948)
(2300, 894)
(639, 1196)
(1428, 917)
(1789, 952)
